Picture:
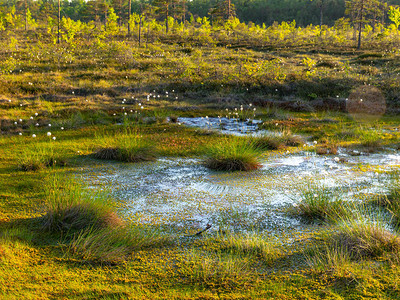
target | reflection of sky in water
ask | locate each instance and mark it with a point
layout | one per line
(224, 125)
(184, 193)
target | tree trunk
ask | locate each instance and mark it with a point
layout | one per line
(148, 32)
(129, 17)
(105, 15)
(26, 12)
(166, 18)
(59, 20)
(360, 25)
(321, 12)
(140, 29)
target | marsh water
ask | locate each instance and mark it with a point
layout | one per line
(184, 195)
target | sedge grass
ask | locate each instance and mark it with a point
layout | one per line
(114, 245)
(71, 207)
(321, 203)
(40, 156)
(363, 235)
(128, 146)
(221, 272)
(245, 245)
(232, 154)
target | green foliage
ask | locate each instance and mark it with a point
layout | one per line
(394, 16)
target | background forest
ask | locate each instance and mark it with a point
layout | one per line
(305, 12)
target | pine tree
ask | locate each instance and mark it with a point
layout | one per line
(363, 12)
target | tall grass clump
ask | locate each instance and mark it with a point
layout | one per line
(114, 245)
(128, 146)
(392, 202)
(363, 238)
(320, 203)
(72, 207)
(232, 154)
(276, 141)
(329, 258)
(245, 245)
(41, 155)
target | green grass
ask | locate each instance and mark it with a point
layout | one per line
(70, 207)
(232, 154)
(253, 246)
(321, 203)
(128, 146)
(88, 252)
(114, 245)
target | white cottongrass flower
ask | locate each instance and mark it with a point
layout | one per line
(20, 133)
(62, 128)
(54, 138)
(49, 133)
(336, 159)
(49, 125)
(15, 123)
(36, 114)
(33, 135)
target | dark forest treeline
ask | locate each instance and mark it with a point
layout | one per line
(305, 12)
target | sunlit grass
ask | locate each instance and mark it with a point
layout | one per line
(318, 202)
(70, 207)
(232, 154)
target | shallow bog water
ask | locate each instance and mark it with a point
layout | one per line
(184, 195)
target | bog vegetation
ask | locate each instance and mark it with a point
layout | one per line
(110, 85)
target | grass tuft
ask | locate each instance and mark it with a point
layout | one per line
(320, 203)
(363, 239)
(245, 245)
(232, 154)
(70, 207)
(113, 245)
(128, 147)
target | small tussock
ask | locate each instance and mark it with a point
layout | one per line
(231, 164)
(268, 142)
(245, 245)
(372, 146)
(365, 240)
(106, 153)
(71, 208)
(326, 149)
(276, 142)
(320, 203)
(143, 153)
(31, 166)
(232, 154)
(113, 245)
